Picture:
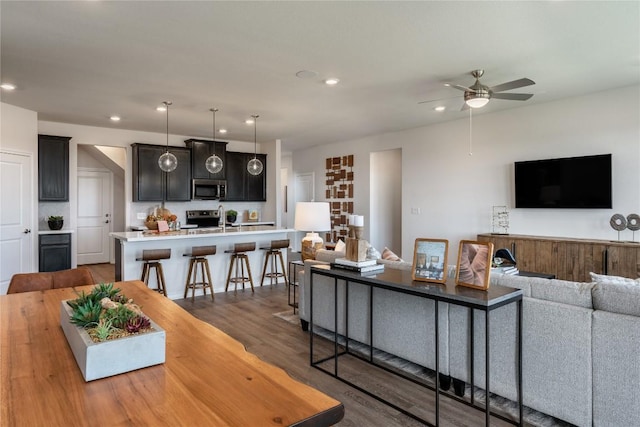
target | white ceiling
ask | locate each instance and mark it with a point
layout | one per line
(82, 61)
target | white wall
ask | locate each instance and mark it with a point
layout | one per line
(455, 192)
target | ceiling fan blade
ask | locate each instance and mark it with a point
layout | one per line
(434, 100)
(462, 88)
(512, 96)
(465, 107)
(512, 85)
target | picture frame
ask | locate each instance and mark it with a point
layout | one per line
(430, 260)
(474, 264)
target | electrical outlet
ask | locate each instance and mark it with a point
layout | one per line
(141, 215)
(415, 211)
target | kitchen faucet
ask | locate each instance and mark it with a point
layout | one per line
(222, 217)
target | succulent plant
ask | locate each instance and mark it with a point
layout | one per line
(107, 314)
(86, 313)
(136, 324)
(102, 331)
(120, 316)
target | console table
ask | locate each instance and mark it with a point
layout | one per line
(401, 281)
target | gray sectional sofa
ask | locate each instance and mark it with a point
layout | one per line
(581, 341)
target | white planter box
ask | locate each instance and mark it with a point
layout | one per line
(104, 359)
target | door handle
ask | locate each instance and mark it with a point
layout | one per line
(27, 231)
(106, 222)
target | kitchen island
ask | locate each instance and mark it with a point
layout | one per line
(129, 246)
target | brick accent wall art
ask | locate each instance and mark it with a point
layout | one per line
(339, 194)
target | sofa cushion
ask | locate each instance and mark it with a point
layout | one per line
(512, 281)
(604, 278)
(340, 246)
(617, 298)
(563, 291)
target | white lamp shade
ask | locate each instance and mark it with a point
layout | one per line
(312, 216)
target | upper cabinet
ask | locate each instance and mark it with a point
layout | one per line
(53, 168)
(151, 184)
(241, 185)
(201, 150)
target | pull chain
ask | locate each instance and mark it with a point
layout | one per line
(470, 132)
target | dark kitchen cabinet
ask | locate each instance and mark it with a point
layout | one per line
(55, 252)
(201, 150)
(53, 168)
(151, 184)
(241, 185)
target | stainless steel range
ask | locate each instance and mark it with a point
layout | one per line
(209, 218)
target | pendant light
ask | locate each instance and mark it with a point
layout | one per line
(214, 163)
(255, 166)
(167, 162)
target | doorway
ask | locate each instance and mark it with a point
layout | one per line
(16, 223)
(386, 199)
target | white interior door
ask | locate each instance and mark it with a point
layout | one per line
(16, 238)
(94, 216)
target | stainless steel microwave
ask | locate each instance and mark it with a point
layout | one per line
(208, 189)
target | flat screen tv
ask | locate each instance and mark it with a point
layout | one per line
(571, 182)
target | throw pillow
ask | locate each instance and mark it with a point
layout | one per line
(340, 246)
(389, 255)
(605, 279)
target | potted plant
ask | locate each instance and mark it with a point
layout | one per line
(232, 215)
(55, 222)
(108, 333)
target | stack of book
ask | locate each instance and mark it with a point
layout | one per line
(366, 266)
(507, 269)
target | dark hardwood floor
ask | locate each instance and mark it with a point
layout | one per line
(249, 318)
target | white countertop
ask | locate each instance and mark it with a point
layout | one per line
(153, 235)
(63, 231)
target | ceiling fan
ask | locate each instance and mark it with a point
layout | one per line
(478, 95)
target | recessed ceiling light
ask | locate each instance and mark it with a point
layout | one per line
(7, 86)
(161, 108)
(249, 121)
(222, 131)
(440, 108)
(115, 118)
(332, 81)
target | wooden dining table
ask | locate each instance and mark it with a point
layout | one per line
(208, 378)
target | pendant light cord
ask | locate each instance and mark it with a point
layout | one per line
(214, 110)
(255, 136)
(166, 104)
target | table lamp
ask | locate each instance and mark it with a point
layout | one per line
(312, 217)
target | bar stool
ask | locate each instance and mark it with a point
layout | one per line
(151, 258)
(273, 250)
(240, 259)
(198, 256)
